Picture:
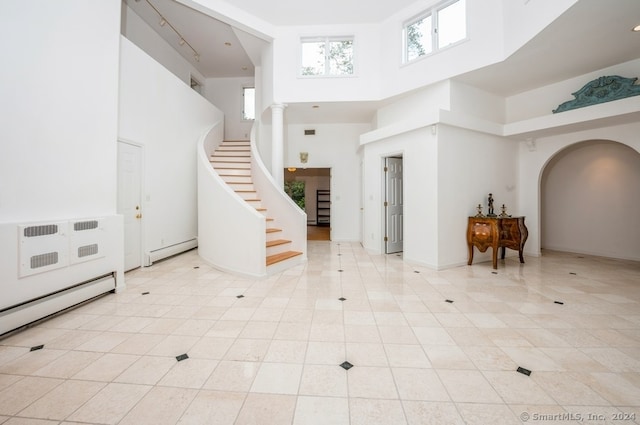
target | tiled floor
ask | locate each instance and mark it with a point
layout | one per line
(427, 347)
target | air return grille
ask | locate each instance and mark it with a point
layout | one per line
(44, 260)
(53, 245)
(42, 230)
(86, 240)
(87, 250)
(85, 225)
(43, 247)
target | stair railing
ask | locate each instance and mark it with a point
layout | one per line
(289, 216)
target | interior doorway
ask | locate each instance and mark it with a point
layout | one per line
(316, 185)
(393, 205)
(130, 201)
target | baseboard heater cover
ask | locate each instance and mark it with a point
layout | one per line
(21, 315)
(168, 251)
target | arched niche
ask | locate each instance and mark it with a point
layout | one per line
(590, 200)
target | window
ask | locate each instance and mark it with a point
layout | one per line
(248, 103)
(434, 29)
(327, 56)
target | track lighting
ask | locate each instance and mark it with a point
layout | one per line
(181, 40)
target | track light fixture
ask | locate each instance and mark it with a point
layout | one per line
(182, 41)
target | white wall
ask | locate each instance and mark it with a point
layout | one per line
(58, 132)
(419, 151)
(142, 35)
(58, 118)
(522, 20)
(542, 101)
(334, 146)
(167, 118)
(470, 166)
(590, 200)
(226, 94)
(290, 87)
(483, 46)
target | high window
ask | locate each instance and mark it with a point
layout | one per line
(435, 29)
(327, 56)
(248, 103)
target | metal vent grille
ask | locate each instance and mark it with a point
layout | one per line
(85, 225)
(84, 251)
(43, 260)
(43, 230)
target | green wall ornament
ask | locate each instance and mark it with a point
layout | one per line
(600, 90)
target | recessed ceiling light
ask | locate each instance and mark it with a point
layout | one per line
(636, 28)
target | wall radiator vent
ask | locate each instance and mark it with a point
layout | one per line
(44, 260)
(43, 247)
(85, 239)
(54, 245)
(43, 230)
(87, 250)
(85, 225)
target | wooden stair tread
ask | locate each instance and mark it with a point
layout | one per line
(273, 230)
(276, 258)
(277, 242)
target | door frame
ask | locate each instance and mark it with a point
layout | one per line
(399, 154)
(141, 148)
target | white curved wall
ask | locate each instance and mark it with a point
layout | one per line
(231, 234)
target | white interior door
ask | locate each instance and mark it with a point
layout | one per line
(393, 205)
(130, 202)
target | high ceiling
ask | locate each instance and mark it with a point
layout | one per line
(306, 12)
(591, 35)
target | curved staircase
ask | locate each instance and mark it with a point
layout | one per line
(232, 162)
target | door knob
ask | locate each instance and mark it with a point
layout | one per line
(138, 215)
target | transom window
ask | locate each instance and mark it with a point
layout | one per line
(435, 29)
(327, 56)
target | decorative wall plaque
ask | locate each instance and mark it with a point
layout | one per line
(600, 90)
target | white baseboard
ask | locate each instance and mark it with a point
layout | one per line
(22, 315)
(168, 251)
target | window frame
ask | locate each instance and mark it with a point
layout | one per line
(433, 14)
(327, 59)
(243, 115)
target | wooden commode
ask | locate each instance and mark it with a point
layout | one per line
(496, 232)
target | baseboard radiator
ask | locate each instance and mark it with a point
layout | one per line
(50, 266)
(169, 251)
(32, 311)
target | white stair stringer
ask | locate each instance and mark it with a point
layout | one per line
(282, 243)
